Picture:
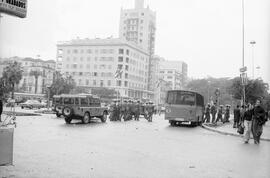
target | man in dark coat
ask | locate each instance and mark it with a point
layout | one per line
(258, 122)
(236, 115)
(1, 108)
(213, 112)
(207, 113)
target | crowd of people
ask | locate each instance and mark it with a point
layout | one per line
(129, 109)
(213, 113)
(251, 118)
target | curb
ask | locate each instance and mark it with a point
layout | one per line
(20, 113)
(227, 133)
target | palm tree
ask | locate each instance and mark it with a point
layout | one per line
(12, 74)
(36, 74)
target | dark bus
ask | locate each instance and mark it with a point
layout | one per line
(184, 107)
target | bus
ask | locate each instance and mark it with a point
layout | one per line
(184, 107)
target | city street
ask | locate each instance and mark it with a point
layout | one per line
(44, 146)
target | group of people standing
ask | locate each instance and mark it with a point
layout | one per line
(251, 118)
(127, 109)
(214, 114)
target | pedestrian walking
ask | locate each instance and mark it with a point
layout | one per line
(258, 122)
(213, 112)
(137, 110)
(236, 116)
(1, 108)
(227, 114)
(247, 122)
(207, 113)
(219, 114)
(242, 112)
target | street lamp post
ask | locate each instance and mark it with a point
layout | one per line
(252, 45)
(243, 50)
(208, 93)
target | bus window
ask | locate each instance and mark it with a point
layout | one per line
(199, 100)
(84, 101)
(181, 97)
(77, 102)
(172, 97)
(68, 100)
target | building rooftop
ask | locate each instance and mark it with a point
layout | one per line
(100, 42)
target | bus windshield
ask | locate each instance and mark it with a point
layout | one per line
(181, 97)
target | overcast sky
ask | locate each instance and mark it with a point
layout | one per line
(206, 34)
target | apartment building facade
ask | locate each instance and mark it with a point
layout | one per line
(93, 63)
(175, 73)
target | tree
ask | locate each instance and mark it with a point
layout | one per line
(36, 74)
(61, 84)
(209, 85)
(254, 89)
(12, 74)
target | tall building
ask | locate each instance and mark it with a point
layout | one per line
(139, 25)
(94, 62)
(174, 72)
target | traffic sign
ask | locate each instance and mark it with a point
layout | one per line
(243, 77)
(243, 69)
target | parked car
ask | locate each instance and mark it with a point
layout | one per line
(32, 104)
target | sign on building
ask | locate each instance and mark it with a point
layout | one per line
(14, 7)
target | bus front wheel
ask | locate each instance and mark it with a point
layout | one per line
(173, 123)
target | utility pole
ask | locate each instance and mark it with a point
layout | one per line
(243, 74)
(252, 45)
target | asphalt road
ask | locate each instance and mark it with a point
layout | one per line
(45, 146)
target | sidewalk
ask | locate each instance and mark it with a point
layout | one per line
(227, 129)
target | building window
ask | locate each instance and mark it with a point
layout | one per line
(75, 51)
(120, 59)
(142, 14)
(94, 82)
(80, 73)
(127, 52)
(169, 77)
(109, 67)
(140, 40)
(81, 58)
(95, 74)
(96, 51)
(170, 72)
(81, 66)
(126, 83)
(89, 51)
(88, 66)
(88, 59)
(74, 66)
(126, 76)
(127, 60)
(162, 72)
(119, 83)
(82, 50)
(68, 51)
(101, 83)
(109, 83)
(141, 21)
(95, 66)
(74, 59)
(121, 51)
(120, 66)
(126, 67)
(67, 66)
(80, 81)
